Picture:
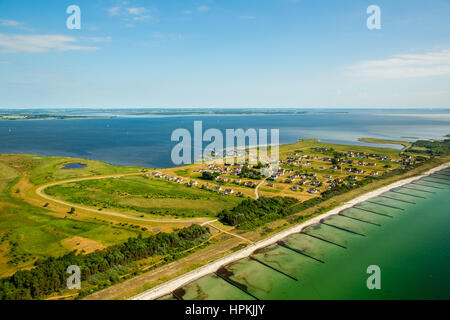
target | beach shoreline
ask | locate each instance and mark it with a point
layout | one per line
(171, 285)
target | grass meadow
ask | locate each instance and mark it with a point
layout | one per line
(148, 196)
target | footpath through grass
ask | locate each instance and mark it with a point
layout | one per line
(148, 196)
(28, 232)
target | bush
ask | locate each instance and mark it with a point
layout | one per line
(50, 276)
(209, 176)
(250, 214)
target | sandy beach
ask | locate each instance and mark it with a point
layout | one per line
(168, 287)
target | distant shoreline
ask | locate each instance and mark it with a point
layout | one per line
(53, 118)
(121, 114)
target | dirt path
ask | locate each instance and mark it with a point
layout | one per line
(257, 188)
(40, 192)
(230, 233)
(164, 273)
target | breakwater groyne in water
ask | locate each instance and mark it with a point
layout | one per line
(363, 206)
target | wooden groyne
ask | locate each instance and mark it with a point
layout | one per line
(174, 284)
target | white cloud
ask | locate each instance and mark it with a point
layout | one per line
(13, 24)
(96, 39)
(203, 8)
(137, 11)
(167, 36)
(406, 66)
(114, 11)
(248, 17)
(131, 13)
(363, 94)
(13, 43)
(10, 23)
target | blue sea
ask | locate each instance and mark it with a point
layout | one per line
(146, 140)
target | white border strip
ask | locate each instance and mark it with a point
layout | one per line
(169, 286)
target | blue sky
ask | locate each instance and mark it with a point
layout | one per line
(224, 53)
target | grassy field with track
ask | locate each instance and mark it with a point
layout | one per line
(28, 232)
(149, 196)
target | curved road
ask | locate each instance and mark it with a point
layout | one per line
(257, 187)
(40, 192)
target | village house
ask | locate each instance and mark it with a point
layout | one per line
(250, 184)
(228, 191)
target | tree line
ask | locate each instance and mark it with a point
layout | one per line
(49, 275)
(431, 147)
(251, 214)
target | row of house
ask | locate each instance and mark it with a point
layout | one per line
(167, 177)
(193, 183)
(311, 190)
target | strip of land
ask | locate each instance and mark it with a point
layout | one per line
(172, 285)
(48, 211)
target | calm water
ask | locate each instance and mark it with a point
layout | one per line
(74, 166)
(411, 246)
(146, 141)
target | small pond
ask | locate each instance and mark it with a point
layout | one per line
(74, 166)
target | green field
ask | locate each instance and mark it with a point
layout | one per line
(143, 195)
(405, 144)
(314, 143)
(28, 232)
(48, 169)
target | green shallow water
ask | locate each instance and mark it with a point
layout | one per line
(410, 243)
